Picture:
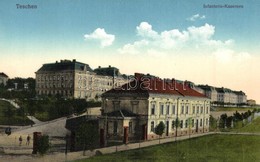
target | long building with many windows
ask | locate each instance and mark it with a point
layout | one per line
(134, 110)
(74, 79)
(223, 96)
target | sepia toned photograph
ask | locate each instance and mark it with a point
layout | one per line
(129, 80)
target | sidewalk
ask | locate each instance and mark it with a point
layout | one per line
(71, 156)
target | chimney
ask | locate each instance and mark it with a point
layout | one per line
(74, 60)
(173, 81)
(186, 83)
(138, 76)
(99, 67)
(109, 66)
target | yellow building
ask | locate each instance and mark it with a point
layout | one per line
(135, 109)
(251, 102)
(74, 79)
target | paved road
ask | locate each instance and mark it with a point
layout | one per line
(36, 121)
(59, 157)
(11, 102)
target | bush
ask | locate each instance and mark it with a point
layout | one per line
(43, 144)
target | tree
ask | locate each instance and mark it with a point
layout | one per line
(87, 135)
(177, 124)
(159, 129)
(223, 120)
(237, 116)
(189, 124)
(212, 123)
(9, 112)
(229, 121)
(43, 144)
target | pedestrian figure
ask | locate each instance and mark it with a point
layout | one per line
(20, 140)
(28, 140)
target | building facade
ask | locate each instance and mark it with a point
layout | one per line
(223, 96)
(251, 102)
(139, 106)
(210, 92)
(74, 79)
(3, 79)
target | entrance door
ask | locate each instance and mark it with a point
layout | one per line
(167, 128)
(144, 132)
(197, 125)
(115, 128)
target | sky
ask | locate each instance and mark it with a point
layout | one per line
(181, 39)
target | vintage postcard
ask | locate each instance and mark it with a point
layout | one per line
(118, 79)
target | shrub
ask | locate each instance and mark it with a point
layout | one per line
(43, 144)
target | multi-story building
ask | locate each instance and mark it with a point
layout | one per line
(3, 78)
(210, 92)
(241, 97)
(74, 79)
(134, 110)
(222, 95)
(251, 102)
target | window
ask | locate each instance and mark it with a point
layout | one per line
(207, 121)
(182, 109)
(173, 124)
(173, 109)
(187, 109)
(152, 109)
(115, 127)
(192, 123)
(161, 109)
(201, 109)
(168, 109)
(152, 126)
(193, 110)
(207, 109)
(186, 123)
(116, 105)
(181, 124)
(130, 127)
(198, 109)
(201, 122)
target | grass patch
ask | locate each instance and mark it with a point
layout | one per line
(15, 119)
(42, 116)
(214, 148)
(253, 127)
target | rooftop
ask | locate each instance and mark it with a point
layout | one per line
(65, 65)
(107, 71)
(3, 75)
(147, 84)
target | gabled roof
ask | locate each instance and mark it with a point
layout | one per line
(144, 85)
(3, 75)
(65, 65)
